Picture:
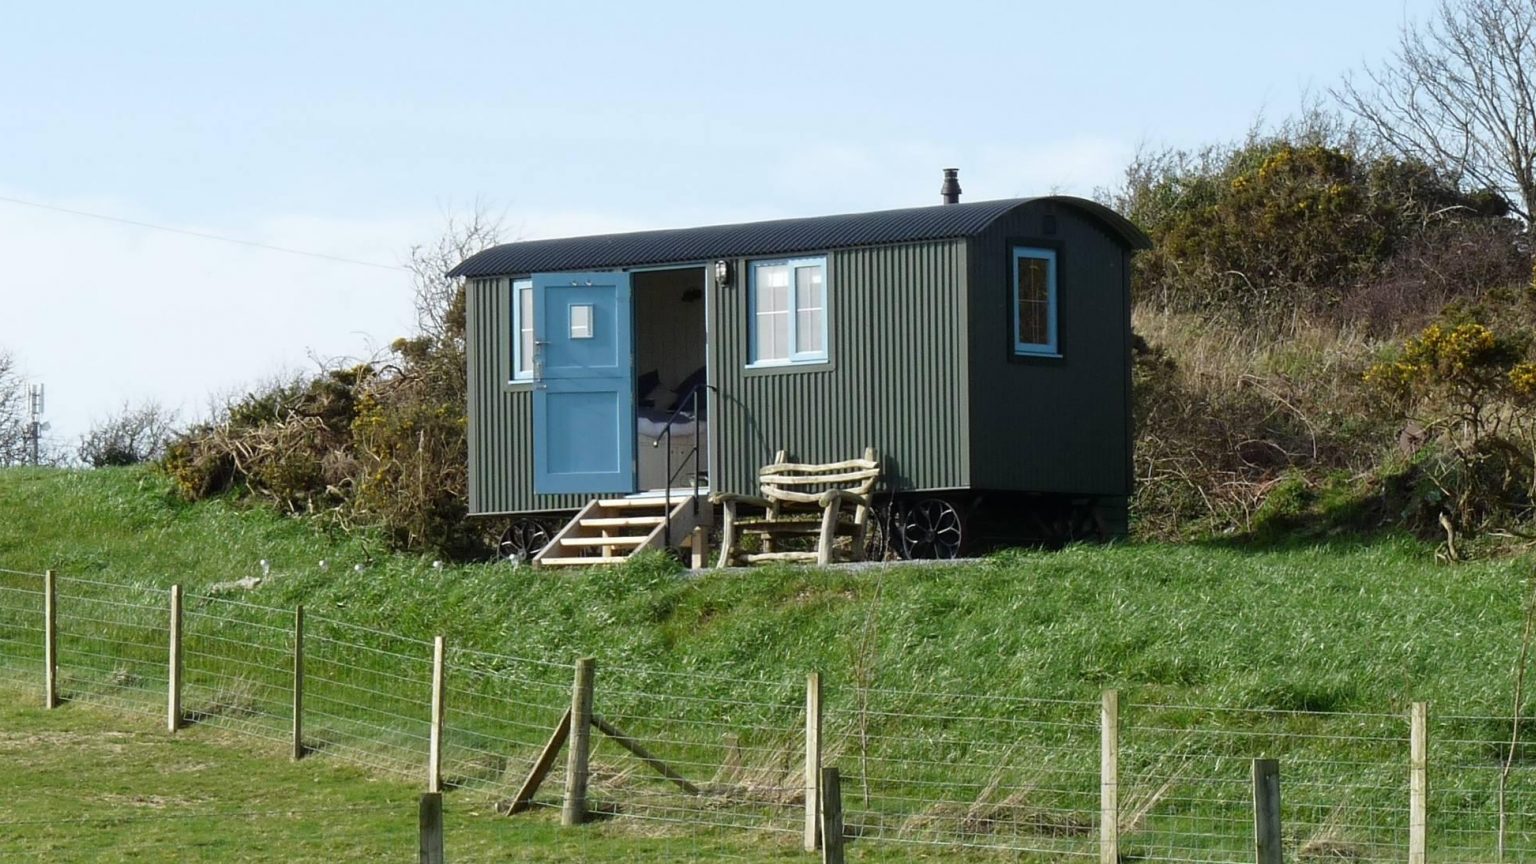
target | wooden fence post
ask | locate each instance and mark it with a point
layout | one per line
(699, 548)
(173, 696)
(431, 821)
(1418, 783)
(298, 683)
(832, 817)
(435, 742)
(579, 743)
(1266, 811)
(50, 640)
(1109, 779)
(812, 760)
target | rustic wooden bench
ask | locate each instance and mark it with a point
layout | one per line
(825, 500)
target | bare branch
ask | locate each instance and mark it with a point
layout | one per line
(1458, 95)
(439, 304)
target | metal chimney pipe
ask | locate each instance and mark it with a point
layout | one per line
(950, 192)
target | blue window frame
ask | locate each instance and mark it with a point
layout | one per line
(788, 308)
(1034, 302)
(522, 330)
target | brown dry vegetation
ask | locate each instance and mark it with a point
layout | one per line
(1329, 338)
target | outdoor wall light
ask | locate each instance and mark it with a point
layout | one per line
(723, 273)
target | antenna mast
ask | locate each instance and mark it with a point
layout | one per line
(35, 428)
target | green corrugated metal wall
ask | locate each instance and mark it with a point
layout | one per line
(500, 415)
(1049, 425)
(902, 326)
(896, 381)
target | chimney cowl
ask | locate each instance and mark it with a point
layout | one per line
(949, 193)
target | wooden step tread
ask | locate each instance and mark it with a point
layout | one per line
(583, 561)
(620, 521)
(631, 540)
(638, 503)
(780, 556)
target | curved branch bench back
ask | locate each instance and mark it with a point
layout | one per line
(801, 499)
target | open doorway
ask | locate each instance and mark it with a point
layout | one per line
(670, 355)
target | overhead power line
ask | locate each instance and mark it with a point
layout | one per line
(202, 235)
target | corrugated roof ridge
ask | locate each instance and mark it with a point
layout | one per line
(768, 237)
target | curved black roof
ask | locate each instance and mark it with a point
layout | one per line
(777, 237)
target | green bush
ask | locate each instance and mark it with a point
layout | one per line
(1471, 390)
(1305, 219)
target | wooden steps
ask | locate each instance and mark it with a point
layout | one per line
(609, 530)
(605, 541)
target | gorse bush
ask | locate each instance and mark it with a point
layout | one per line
(1284, 309)
(289, 443)
(376, 445)
(410, 437)
(380, 445)
(1306, 219)
(1470, 393)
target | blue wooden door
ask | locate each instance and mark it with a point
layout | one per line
(584, 383)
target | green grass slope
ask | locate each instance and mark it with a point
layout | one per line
(961, 699)
(85, 786)
(1341, 627)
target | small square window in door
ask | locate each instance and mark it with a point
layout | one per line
(581, 321)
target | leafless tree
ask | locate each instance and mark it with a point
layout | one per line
(13, 413)
(439, 299)
(135, 434)
(1459, 94)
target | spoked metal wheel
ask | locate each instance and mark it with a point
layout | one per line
(1069, 522)
(930, 528)
(522, 540)
(878, 532)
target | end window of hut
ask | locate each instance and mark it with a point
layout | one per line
(1034, 302)
(522, 330)
(789, 312)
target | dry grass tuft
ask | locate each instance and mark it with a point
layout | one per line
(1328, 842)
(1225, 411)
(1019, 812)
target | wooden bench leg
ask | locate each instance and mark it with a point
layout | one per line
(728, 535)
(828, 535)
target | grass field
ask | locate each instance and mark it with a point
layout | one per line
(961, 700)
(85, 785)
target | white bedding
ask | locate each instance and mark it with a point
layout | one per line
(652, 427)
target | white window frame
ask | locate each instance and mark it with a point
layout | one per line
(522, 367)
(1051, 347)
(795, 358)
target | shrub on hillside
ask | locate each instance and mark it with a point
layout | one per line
(380, 444)
(1470, 388)
(1305, 219)
(133, 435)
(410, 439)
(376, 444)
(1225, 417)
(288, 443)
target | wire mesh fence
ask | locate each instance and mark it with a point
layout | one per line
(21, 627)
(986, 773)
(690, 754)
(1482, 801)
(113, 643)
(1188, 786)
(235, 657)
(728, 753)
(499, 712)
(367, 697)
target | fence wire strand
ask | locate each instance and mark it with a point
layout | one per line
(920, 770)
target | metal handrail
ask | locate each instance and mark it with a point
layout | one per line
(689, 401)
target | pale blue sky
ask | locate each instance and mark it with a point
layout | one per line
(350, 129)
